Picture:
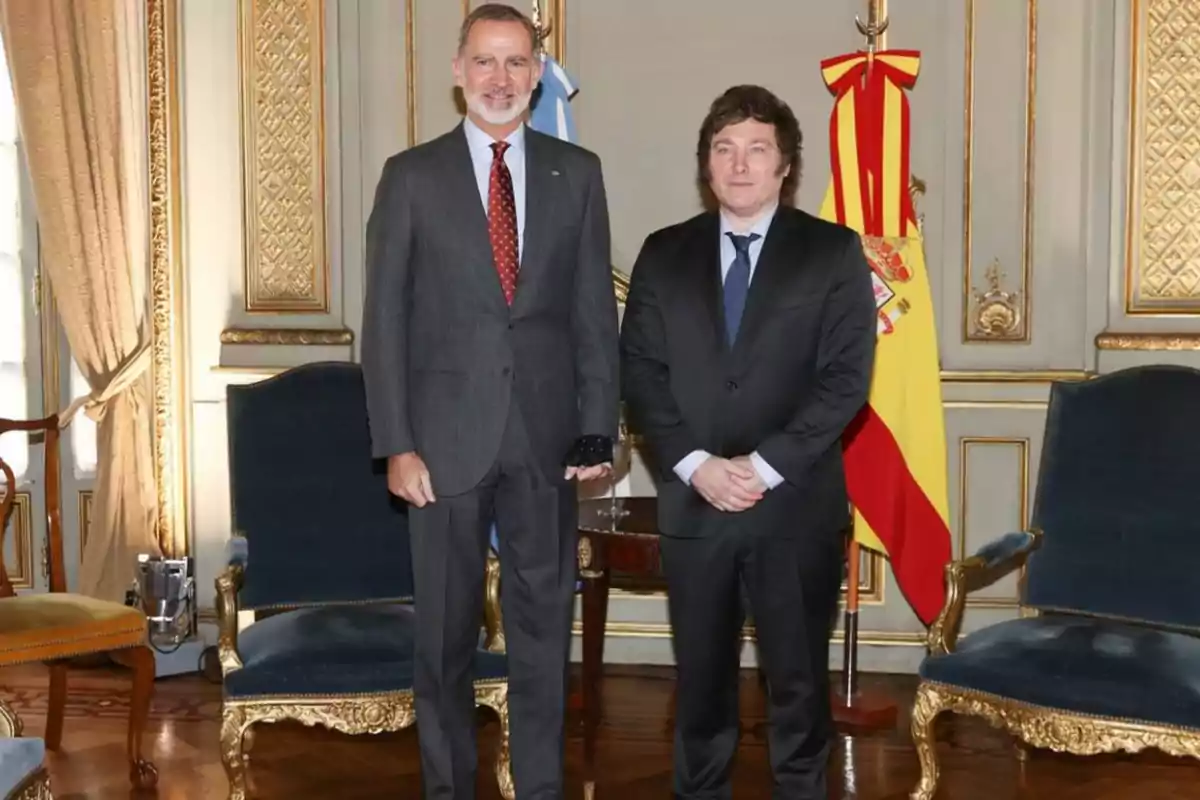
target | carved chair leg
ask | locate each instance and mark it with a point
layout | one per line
(142, 773)
(58, 705)
(926, 707)
(11, 725)
(497, 700)
(233, 755)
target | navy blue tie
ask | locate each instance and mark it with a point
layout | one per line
(737, 284)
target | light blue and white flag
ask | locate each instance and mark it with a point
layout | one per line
(551, 112)
(551, 115)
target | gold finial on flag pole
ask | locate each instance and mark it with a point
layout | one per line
(875, 26)
(874, 29)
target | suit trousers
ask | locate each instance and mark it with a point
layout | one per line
(536, 519)
(792, 586)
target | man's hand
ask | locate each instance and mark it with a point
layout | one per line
(588, 473)
(724, 484)
(408, 478)
(755, 483)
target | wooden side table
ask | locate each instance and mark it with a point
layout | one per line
(614, 534)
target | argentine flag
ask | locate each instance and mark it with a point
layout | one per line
(551, 112)
(551, 115)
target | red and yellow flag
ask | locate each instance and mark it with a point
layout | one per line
(895, 451)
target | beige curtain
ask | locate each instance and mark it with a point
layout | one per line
(78, 72)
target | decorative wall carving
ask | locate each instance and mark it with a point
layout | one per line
(1163, 226)
(283, 130)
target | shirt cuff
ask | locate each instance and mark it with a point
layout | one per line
(769, 476)
(688, 464)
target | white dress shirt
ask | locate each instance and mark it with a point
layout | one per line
(688, 464)
(480, 145)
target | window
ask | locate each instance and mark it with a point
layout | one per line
(15, 296)
(83, 429)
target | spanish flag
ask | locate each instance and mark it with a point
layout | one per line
(895, 451)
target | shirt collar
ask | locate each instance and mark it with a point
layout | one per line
(760, 226)
(479, 140)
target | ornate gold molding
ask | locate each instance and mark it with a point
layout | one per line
(965, 444)
(166, 276)
(1039, 726)
(1148, 341)
(355, 716)
(287, 336)
(34, 787)
(994, 314)
(1013, 376)
(283, 144)
(1162, 236)
(997, 313)
(410, 66)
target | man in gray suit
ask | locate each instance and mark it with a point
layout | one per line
(490, 359)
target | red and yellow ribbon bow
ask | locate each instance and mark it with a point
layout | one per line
(869, 139)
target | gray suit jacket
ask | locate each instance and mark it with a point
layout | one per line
(443, 354)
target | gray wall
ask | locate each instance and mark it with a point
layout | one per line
(1021, 134)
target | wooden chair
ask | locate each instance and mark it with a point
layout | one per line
(57, 626)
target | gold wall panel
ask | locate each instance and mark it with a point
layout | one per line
(283, 123)
(965, 445)
(20, 533)
(1162, 263)
(994, 310)
(166, 275)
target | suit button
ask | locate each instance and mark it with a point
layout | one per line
(731, 385)
(511, 326)
(506, 371)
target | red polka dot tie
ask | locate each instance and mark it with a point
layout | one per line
(502, 221)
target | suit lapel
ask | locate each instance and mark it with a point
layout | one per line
(702, 275)
(779, 254)
(539, 192)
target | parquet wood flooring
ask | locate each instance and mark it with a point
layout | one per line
(634, 751)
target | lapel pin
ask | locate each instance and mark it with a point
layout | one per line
(554, 172)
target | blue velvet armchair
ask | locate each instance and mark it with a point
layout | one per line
(1106, 654)
(320, 553)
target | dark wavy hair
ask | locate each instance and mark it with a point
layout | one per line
(738, 104)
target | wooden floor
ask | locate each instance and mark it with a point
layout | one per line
(634, 752)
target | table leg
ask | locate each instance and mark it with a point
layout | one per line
(595, 617)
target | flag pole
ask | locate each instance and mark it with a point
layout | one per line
(853, 708)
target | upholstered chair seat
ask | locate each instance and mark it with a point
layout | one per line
(337, 650)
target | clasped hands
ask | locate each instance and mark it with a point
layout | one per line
(729, 484)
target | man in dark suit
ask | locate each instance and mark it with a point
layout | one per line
(747, 346)
(490, 359)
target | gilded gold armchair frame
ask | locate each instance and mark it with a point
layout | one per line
(37, 785)
(1037, 726)
(373, 713)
